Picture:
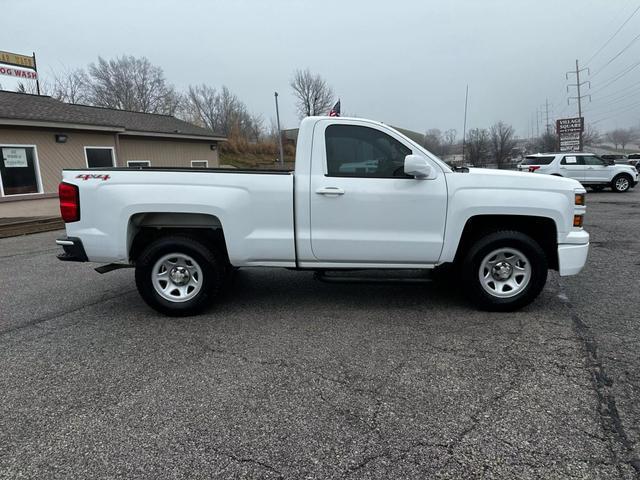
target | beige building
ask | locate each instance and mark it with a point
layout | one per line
(40, 136)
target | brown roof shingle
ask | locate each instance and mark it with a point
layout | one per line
(41, 108)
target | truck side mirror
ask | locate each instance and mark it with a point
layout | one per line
(417, 166)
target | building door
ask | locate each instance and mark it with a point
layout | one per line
(19, 170)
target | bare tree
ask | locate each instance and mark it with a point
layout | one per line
(130, 83)
(433, 141)
(502, 142)
(547, 142)
(449, 138)
(256, 127)
(221, 111)
(30, 86)
(313, 95)
(478, 146)
(71, 86)
(590, 136)
(620, 136)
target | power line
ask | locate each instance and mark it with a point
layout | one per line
(617, 77)
(616, 112)
(613, 36)
(635, 39)
(632, 86)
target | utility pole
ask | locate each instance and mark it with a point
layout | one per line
(578, 84)
(279, 131)
(546, 104)
(537, 123)
(464, 128)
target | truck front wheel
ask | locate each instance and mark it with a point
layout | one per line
(505, 271)
(179, 276)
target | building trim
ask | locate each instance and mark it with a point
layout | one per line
(58, 125)
(132, 133)
(31, 196)
(36, 164)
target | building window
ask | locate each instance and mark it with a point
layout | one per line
(199, 164)
(99, 157)
(138, 163)
(19, 171)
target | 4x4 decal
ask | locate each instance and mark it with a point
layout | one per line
(93, 176)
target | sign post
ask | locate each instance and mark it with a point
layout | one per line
(569, 132)
(22, 61)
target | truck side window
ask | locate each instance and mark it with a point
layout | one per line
(356, 151)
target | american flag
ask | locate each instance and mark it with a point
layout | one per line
(335, 111)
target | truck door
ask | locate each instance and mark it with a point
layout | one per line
(364, 209)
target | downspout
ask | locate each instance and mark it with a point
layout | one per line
(117, 144)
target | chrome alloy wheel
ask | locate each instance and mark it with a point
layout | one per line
(622, 184)
(176, 277)
(504, 272)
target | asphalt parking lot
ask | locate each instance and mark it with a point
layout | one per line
(291, 378)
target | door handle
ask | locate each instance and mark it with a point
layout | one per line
(589, 168)
(330, 191)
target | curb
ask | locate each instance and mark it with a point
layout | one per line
(32, 225)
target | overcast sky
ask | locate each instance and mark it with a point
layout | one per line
(403, 62)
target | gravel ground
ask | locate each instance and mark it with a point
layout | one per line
(291, 378)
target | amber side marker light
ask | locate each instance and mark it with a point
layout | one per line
(580, 199)
(577, 220)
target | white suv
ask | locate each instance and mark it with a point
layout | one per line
(587, 168)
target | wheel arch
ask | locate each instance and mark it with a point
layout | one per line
(145, 227)
(542, 229)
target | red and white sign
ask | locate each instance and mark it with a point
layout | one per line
(16, 72)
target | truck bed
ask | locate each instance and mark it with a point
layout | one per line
(253, 207)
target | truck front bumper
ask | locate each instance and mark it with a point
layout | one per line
(573, 255)
(73, 250)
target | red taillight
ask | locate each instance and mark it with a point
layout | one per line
(69, 202)
(533, 168)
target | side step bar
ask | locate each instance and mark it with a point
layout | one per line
(374, 276)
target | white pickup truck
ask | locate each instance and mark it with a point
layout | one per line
(362, 196)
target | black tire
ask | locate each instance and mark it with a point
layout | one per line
(621, 186)
(483, 247)
(597, 188)
(208, 259)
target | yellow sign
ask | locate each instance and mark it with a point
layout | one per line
(17, 60)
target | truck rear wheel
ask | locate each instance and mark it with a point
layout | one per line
(505, 271)
(179, 276)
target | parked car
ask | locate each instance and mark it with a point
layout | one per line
(363, 196)
(587, 168)
(614, 158)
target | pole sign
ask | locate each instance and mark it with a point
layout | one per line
(569, 132)
(17, 60)
(23, 61)
(15, 72)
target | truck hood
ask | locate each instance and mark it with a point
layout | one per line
(514, 179)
